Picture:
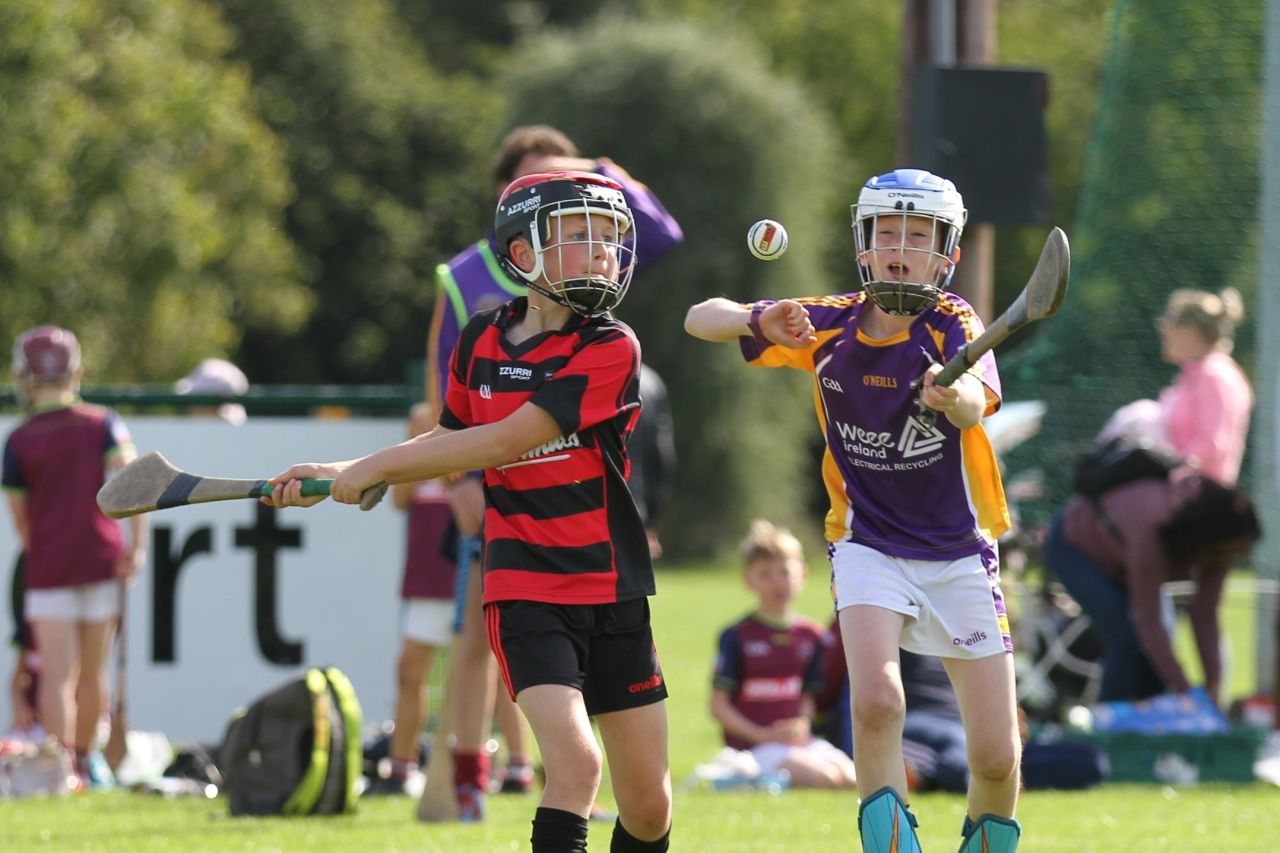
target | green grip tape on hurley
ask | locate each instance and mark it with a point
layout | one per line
(310, 488)
(320, 487)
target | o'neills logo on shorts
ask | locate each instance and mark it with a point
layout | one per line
(971, 640)
(653, 682)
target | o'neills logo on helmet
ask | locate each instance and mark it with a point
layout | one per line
(525, 205)
(905, 195)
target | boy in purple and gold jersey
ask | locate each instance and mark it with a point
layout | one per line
(916, 499)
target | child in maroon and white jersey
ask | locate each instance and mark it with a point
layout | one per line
(543, 395)
(769, 666)
(916, 498)
(76, 558)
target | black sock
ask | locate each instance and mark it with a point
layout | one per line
(625, 842)
(557, 831)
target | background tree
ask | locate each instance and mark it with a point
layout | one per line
(388, 158)
(142, 196)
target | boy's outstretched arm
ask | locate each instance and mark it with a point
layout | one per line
(785, 322)
(441, 451)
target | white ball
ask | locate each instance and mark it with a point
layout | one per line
(767, 240)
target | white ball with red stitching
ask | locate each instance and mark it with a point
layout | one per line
(767, 239)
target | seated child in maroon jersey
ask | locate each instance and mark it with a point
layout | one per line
(543, 395)
(768, 667)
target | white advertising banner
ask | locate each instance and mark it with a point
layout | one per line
(236, 597)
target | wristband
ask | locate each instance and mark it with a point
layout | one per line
(757, 308)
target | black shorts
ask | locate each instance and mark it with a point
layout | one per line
(604, 650)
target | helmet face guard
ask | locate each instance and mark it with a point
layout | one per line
(601, 245)
(906, 227)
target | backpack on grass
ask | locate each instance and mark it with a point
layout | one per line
(1116, 463)
(296, 750)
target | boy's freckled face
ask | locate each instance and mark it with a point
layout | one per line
(903, 249)
(579, 247)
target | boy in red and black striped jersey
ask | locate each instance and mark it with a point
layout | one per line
(543, 394)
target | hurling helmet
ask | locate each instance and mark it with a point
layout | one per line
(898, 277)
(527, 209)
(46, 354)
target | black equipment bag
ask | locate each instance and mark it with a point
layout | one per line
(1117, 462)
(296, 750)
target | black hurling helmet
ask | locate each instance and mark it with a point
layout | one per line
(527, 209)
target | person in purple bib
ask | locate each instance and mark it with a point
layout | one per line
(55, 462)
(916, 498)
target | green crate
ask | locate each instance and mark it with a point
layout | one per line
(1224, 757)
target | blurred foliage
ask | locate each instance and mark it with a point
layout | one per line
(142, 196)
(695, 115)
(388, 158)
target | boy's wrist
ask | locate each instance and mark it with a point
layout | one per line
(753, 321)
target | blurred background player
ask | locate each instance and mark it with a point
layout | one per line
(768, 667)
(470, 282)
(216, 377)
(916, 500)
(76, 558)
(543, 393)
(652, 451)
(427, 592)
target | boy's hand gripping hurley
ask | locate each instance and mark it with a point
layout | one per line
(151, 482)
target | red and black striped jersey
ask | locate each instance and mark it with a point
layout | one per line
(560, 523)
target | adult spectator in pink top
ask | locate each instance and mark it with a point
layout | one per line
(1206, 410)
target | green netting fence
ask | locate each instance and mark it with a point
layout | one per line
(1172, 197)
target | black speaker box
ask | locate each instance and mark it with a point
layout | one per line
(984, 129)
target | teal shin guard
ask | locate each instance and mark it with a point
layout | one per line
(885, 824)
(990, 834)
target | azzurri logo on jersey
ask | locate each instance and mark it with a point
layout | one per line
(520, 374)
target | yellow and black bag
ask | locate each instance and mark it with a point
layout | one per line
(296, 750)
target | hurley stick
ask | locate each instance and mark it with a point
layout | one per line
(1042, 296)
(151, 482)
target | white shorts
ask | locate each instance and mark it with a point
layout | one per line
(428, 620)
(954, 609)
(772, 755)
(90, 602)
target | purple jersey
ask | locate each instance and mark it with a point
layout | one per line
(900, 481)
(56, 460)
(473, 281)
(766, 667)
(428, 573)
